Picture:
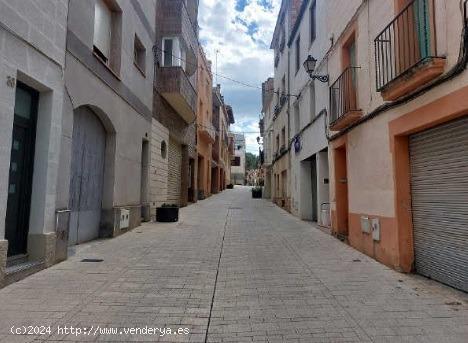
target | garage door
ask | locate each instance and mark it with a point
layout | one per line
(87, 176)
(174, 172)
(439, 186)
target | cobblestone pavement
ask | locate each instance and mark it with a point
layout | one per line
(233, 269)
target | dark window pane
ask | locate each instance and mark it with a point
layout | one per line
(168, 52)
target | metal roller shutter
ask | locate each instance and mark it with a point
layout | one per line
(439, 186)
(174, 173)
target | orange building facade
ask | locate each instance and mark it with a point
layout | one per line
(205, 130)
(398, 132)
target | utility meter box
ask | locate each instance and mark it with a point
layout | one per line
(365, 224)
(375, 222)
(124, 218)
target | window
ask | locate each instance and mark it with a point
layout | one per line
(313, 22)
(173, 54)
(283, 137)
(297, 118)
(277, 143)
(107, 33)
(102, 30)
(139, 55)
(269, 145)
(168, 51)
(298, 53)
(312, 101)
(236, 161)
(163, 149)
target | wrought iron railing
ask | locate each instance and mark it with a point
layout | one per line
(343, 94)
(408, 40)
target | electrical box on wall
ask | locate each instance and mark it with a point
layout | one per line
(124, 218)
(375, 222)
(365, 224)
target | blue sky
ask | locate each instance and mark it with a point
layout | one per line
(241, 31)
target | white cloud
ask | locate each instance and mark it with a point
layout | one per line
(242, 40)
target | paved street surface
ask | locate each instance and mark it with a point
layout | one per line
(234, 269)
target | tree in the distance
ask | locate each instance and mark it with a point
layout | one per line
(251, 161)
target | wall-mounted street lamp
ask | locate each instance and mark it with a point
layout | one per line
(309, 66)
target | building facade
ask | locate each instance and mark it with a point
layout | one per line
(76, 121)
(398, 116)
(238, 161)
(309, 146)
(32, 56)
(205, 129)
(281, 164)
(382, 139)
(107, 117)
(175, 103)
(267, 134)
(223, 117)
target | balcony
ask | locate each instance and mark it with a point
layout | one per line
(343, 100)
(207, 132)
(178, 17)
(406, 51)
(174, 86)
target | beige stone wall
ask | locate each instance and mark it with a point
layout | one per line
(159, 165)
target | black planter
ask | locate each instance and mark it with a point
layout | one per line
(167, 214)
(256, 193)
(230, 186)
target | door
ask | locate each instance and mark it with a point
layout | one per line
(175, 173)
(87, 176)
(349, 78)
(439, 191)
(422, 27)
(341, 190)
(21, 169)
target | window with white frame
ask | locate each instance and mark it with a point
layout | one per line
(107, 38)
(173, 53)
(313, 21)
(102, 30)
(297, 118)
(139, 54)
(298, 53)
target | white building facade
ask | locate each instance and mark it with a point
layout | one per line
(309, 100)
(238, 161)
(32, 61)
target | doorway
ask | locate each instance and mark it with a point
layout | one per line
(144, 180)
(341, 187)
(87, 176)
(313, 174)
(21, 169)
(191, 180)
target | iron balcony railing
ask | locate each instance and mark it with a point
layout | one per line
(343, 94)
(408, 40)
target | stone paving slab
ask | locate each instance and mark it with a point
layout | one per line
(234, 269)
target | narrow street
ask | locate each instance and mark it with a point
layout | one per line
(240, 270)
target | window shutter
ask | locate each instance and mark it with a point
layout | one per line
(102, 27)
